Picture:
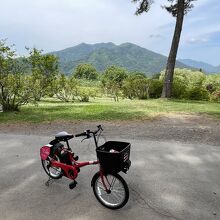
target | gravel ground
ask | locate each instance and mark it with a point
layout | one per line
(186, 128)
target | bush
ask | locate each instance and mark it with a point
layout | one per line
(16, 92)
(136, 86)
(155, 88)
(198, 93)
(84, 93)
(212, 82)
(65, 88)
(215, 96)
(179, 90)
(188, 84)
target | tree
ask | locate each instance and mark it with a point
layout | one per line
(14, 87)
(44, 69)
(136, 85)
(112, 80)
(178, 8)
(85, 71)
(65, 88)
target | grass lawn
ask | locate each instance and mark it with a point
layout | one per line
(107, 109)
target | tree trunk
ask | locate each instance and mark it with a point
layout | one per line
(168, 80)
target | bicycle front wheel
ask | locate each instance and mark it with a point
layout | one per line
(117, 193)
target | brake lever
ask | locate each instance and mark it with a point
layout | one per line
(88, 136)
(84, 139)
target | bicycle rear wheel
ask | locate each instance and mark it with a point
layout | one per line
(52, 172)
(117, 193)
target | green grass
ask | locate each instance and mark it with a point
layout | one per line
(107, 109)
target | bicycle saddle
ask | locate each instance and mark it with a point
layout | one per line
(63, 136)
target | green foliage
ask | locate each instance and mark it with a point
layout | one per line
(44, 70)
(155, 88)
(155, 76)
(180, 88)
(89, 83)
(85, 71)
(16, 91)
(83, 94)
(65, 88)
(186, 82)
(198, 93)
(70, 89)
(215, 96)
(212, 82)
(14, 85)
(136, 85)
(112, 80)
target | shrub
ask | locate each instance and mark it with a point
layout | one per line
(198, 93)
(155, 88)
(212, 82)
(65, 88)
(215, 96)
(136, 86)
(179, 90)
(187, 84)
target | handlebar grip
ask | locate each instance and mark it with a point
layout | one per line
(82, 134)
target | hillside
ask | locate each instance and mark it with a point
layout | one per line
(208, 68)
(101, 55)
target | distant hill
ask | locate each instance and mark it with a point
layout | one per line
(208, 68)
(102, 55)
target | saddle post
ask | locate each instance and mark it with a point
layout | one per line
(67, 143)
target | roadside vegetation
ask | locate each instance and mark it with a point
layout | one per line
(33, 89)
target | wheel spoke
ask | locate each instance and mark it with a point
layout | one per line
(112, 183)
(53, 172)
(116, 196)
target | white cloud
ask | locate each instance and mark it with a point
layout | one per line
(193, 40)
(56, 24)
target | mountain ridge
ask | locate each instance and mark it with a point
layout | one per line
(206, 67)
(101, 55)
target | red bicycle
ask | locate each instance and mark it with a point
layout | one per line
(109, 187)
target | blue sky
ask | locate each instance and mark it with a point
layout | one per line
(54, 24)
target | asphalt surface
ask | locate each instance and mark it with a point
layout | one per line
(167, 180)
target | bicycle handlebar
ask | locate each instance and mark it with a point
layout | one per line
(79, 135)
(88, 132)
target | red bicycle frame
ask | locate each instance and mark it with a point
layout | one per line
(71, 171)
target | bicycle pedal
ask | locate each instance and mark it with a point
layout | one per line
(72, 185)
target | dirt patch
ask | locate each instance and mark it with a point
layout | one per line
(177, 127)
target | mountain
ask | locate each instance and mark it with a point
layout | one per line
(208, 68)
(101, 55)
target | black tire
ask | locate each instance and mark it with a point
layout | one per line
(118, 190)
(48, 169)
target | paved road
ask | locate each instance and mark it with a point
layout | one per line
(167, 180)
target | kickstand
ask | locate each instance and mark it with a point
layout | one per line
(49, 181)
